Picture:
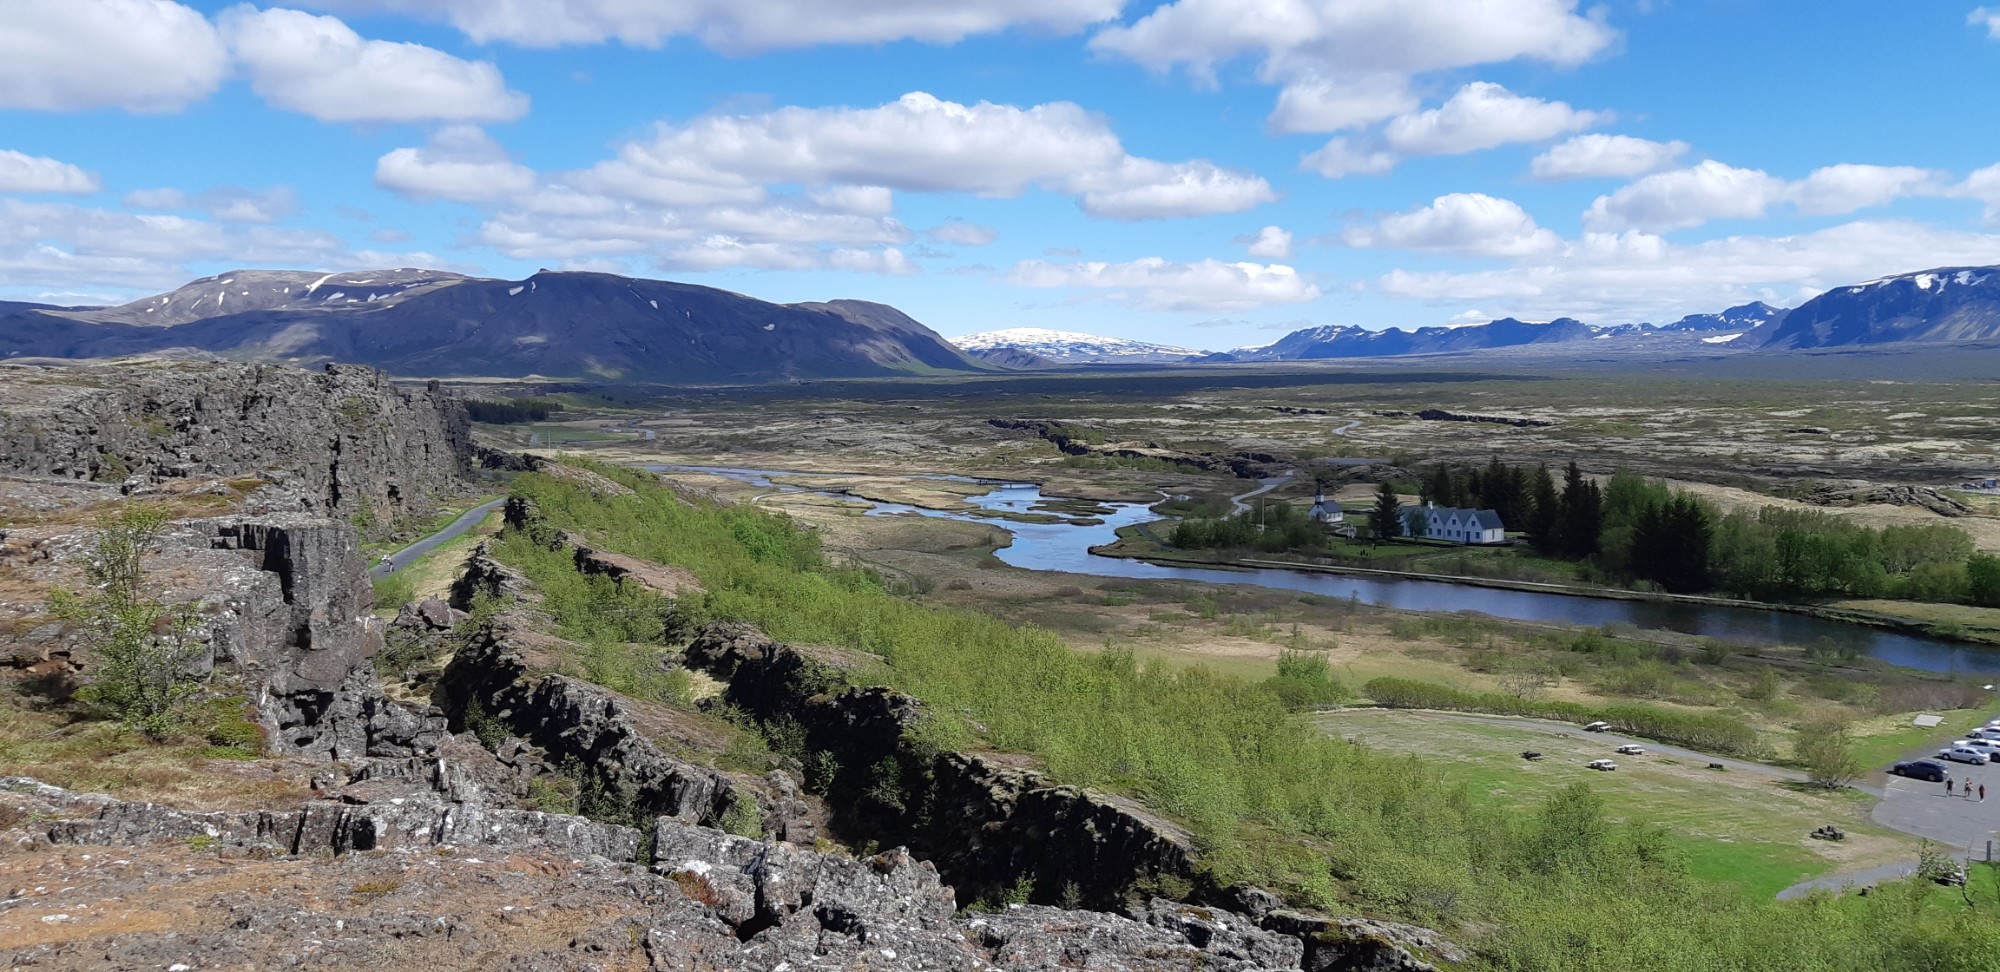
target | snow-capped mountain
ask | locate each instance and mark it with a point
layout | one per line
(1347, 341)
(1071, 347)
(1933, 306)
(1740, 318)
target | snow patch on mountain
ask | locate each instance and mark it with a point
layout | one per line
(1074, 347)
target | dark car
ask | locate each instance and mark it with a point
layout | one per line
(1922, 769)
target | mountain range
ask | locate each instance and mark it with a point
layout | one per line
(1069, 347)
(433, 323)
(595, 325)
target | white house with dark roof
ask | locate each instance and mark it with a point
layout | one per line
(1453, 524)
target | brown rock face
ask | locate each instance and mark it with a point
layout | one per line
(344, 439)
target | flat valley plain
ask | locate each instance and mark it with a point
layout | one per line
(1742, 431)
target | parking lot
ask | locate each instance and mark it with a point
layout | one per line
(1960, 823)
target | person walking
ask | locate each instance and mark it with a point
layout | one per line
(1982, 793)
(1948, 784)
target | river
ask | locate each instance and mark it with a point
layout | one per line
(1065, 546)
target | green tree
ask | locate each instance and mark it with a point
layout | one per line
(1982, 579)
(1385, 521)
(1582, 514)
(1544, 511)
(142, 650)
(1822, 746)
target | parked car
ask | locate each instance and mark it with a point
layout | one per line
(1984, 732)
(1597, 727)
(1930, 771)
(1991, 747)
(1631, 749)
(1603, 764)
(1963, 754)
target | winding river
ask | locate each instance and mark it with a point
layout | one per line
(1065, 546)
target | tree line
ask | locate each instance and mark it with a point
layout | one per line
(1634, 529)
(511, 411)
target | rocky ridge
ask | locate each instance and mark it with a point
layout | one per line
(342, 441)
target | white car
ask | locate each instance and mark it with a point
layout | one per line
(1603, 764)
(1631, 749)
(1986, 732)
(1991, 747)
(1597, 727)
(1964, 754)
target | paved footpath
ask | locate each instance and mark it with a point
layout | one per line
(404, 557)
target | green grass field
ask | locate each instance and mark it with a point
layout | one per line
(1733, 826)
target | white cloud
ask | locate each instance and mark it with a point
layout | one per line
(857, 200)
(1636, 276)
(722, 252)
(1156, 284)
(319, 66)
(59, 244)
(1987, 17)
(138, 55)
(33, 174)
(1482, 115)
(1983, 185)
(1845, 188)
(1711, 190)
(958, 232)
(228, 204)
(1468, 223)
(1686, 197)
(461, 163)
(1144, 189)
(1312, 103)
(919, 143)
(1269, 243)
(1343, 63)
(1605, 156)
(737, 27)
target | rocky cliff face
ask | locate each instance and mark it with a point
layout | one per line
(345, 440)
(985, 824)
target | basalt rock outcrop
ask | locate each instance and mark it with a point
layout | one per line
(471, 888)
(1858, 493)
(343, 440)
(1246, 465)
(610, 744)
(1441, 415)
(985, 824)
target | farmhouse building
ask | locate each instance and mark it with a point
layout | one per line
(1453, 524)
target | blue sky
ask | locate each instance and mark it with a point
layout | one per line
(1203, 172)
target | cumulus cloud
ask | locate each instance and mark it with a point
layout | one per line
(228, 204)
(137, 55)
(1269, 243)
(461, 163)
(1143, 189)
(1983, 185)
(1845, 188)
(1635, 275)
(1598, 156)
(1157, 284)
(1711, 190)
(1342, 63)
(958, 232)
(59, 244)
(736, 27)
(919, 143)
(1480, 116)
(1987, 17)
(1686, 197)
(859, 200)
(1468, 223)
(320, 67)
(35, 174)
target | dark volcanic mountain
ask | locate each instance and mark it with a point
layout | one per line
(1339, 341)
(1951, 304)
(424, 322)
